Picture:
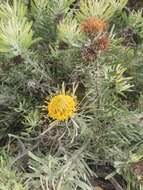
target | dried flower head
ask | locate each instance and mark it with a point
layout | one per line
(138, 170)
(102, 43)
(93, 25)
(61, 106)
(89, 53)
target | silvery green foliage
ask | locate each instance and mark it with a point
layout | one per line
(16, 35)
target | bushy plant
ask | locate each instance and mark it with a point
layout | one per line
(70, 94)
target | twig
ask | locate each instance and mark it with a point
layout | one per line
(116, 184)
(24, 154)
(52, 125)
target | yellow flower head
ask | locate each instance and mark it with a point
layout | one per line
(61, 106)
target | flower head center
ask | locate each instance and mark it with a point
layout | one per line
(61, 107)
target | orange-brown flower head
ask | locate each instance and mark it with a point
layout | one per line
(93, 25)
(102, 43)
